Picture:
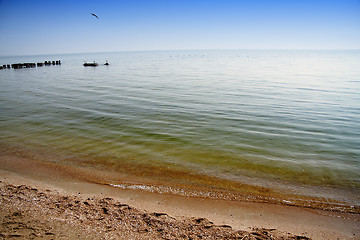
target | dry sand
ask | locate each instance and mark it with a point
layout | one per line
(42, 201)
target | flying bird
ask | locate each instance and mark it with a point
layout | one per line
(94, 15)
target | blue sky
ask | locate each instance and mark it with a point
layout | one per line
(51, 27)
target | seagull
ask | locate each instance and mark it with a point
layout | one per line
(94, 15)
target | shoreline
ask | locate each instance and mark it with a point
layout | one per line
(23, 196)
(33, 210)
(125, 175)
(240, 215)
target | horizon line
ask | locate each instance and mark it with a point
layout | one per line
(191, 49)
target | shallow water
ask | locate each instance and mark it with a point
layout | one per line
(256, 116)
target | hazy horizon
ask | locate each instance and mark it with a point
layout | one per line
(172, 50)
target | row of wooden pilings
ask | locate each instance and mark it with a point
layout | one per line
(30, 65)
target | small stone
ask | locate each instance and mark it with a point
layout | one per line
(225, 226)
(106, 211)
(159, 214)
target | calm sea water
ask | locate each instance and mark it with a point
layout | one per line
(292, 116)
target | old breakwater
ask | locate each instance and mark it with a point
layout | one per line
(30, 65)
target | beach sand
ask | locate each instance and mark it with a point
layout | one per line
(50, 201)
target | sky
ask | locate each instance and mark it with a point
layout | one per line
(35, 27)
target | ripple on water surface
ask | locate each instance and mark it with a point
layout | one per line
(291, 116)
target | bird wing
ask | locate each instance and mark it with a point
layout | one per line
(95, 15)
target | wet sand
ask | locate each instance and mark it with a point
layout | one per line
(34, 192)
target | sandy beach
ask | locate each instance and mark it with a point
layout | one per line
(180, 120)
(50, 201)
(30, 212)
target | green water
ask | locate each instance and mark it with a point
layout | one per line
(254, 116)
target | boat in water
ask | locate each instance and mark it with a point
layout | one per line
(93, 64)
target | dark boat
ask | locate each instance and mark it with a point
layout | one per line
(93, 64)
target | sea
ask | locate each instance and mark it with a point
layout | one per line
(285, 119)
